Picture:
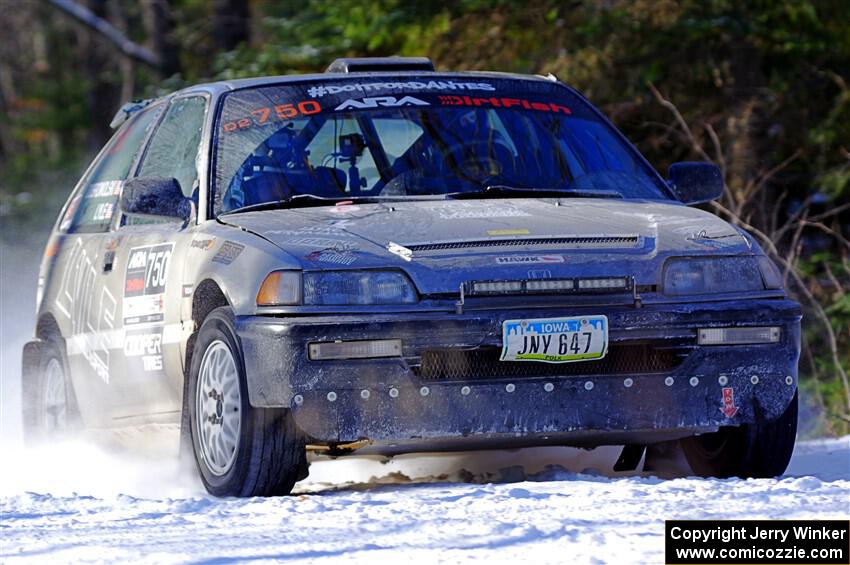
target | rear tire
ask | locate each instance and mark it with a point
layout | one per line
(239, 450)
(48, 401)
(760, 450)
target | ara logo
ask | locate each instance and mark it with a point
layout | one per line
(381, 102)
(138, 259)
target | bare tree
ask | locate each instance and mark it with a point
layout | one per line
(94, 18)
(736, 207)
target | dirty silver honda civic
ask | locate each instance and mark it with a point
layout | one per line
(384, 258)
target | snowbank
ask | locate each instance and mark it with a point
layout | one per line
(84, 505)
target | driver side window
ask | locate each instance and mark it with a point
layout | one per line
(173, 149)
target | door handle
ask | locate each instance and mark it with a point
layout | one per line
(108, 260)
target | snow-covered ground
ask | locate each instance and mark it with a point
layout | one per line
(75, 503)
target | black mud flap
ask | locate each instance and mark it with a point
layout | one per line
(629, 458)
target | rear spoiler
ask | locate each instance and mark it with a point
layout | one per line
(128, 110)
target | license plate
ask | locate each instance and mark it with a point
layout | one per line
(555, 340)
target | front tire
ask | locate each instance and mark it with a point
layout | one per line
(239, 450)
(761, 450)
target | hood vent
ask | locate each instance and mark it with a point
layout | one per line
(616, 242)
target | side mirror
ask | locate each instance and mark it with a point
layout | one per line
(155, 196)
(694, 183)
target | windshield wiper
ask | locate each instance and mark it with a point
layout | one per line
(502, 191)
(307, 200)
(290, 202)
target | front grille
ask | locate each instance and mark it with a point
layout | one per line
(484, 363)
(616, 242)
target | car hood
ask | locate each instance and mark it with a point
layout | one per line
(441, 244)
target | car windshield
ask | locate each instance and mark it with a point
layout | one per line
(439, 137)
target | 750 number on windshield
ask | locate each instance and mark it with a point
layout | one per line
(261, 116)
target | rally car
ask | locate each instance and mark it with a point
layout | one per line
(387, 258)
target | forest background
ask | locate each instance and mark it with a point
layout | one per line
(762, 88)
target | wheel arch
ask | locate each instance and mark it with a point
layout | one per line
(208, 296)
(47, 330)
(47, 327)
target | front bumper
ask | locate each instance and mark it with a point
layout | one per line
(388, 400)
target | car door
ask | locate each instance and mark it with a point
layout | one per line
(146, 278)
(84, 301)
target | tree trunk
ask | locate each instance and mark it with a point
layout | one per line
(158, 18)
(103, 95)
(230, 24)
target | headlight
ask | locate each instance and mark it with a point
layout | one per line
(709, 275)
(358, 287)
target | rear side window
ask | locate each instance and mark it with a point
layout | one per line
(173, 150)
(93, 207)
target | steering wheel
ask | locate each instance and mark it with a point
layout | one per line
(470, 162)
(476, 160)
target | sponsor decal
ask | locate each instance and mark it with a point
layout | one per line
(187, 290)
(143, 349)
(105, 189)
(400, 250)
(228, 252)
(534, 274)
(496, 102)
(475, 210)
(508, 232)
(381, 102)
(344, 207)
(103, 212)
(718, 241)
(68, 218)
(320, 90)
(89, 307)
(529, 259)
(202, 244)
(729, 409)
(332, 256)
(336, 228)
(271, 114)
(134, 285)
(144, 284)
(335, 244)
